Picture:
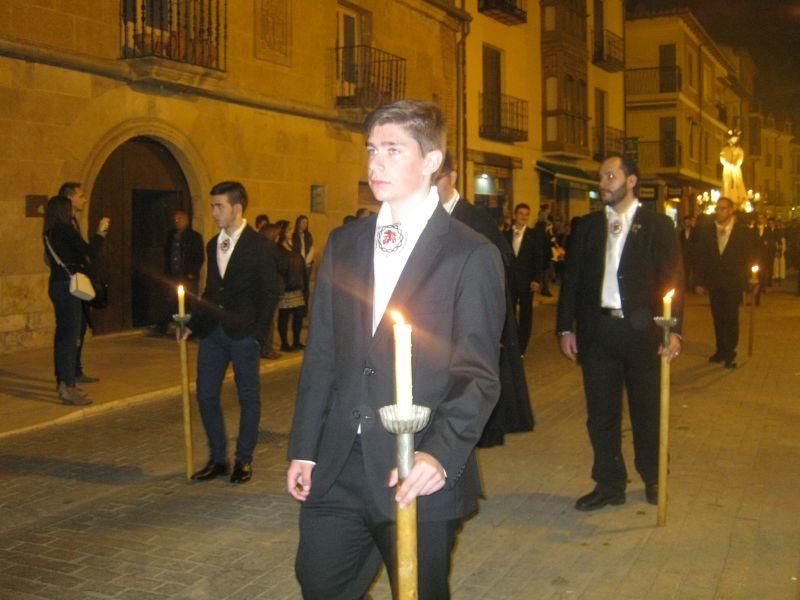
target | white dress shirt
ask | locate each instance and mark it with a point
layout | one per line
(451, 204)
(723, 235)
(618, 226)
(389, 266)
(223, 256)
(516, 238)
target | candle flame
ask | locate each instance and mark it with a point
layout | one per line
(397, 317)
(180, 290)
(669, 295)
(754, 268)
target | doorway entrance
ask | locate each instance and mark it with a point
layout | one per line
(138, 188)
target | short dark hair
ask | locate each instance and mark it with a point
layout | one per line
(57, 212)
(261, 219)
(68, 188)
(234, 191)
(728, 200)
(362, 211)
(520, 206)
(271, 231)
(628, 165)
(422, 120)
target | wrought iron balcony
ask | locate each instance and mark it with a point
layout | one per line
(193, 32)
(503, 118)
(656, 80)
(509, 12)
(608, 51)
(565, 133)
(661, 154)
(606, 140)
(367, 77)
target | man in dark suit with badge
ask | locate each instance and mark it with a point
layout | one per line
(621, 262)
(232, 316)
(447, 281)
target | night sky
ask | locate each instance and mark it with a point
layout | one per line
(769, 29)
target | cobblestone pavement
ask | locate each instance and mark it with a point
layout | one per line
(99, 508)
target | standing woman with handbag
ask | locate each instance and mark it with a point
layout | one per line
(67, 254)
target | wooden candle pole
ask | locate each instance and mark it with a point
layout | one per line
(753, 295)
(666, 322)
(181, 319)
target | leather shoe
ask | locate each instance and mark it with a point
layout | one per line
(210, 471)
(599, 498)
(715, 358)
(242, 473)
(730, 364)
(651, 493)
(83, 378)
(271, 355)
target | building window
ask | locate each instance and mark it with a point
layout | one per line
(549, 18)
(768, 160)
(551, 93)
(692, 153)
(690, 60)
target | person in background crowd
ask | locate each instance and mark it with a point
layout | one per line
(272, 233)
(74, 191)
(688, 242)
(231, 320)
(183, 259)
(779, 263)
(363, 213)
(67, 253)
(348, 219)
(261, 221)
(303, 242)
(292, 302)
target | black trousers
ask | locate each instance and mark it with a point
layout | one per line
(725, 312)
(523, 302)
(621, 357)
(343, 538)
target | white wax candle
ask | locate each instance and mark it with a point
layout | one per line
(181, 303)
(668, 304)
(402, 367)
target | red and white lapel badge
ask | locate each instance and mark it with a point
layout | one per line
(390, 238)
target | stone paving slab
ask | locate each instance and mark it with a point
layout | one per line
(99, 508)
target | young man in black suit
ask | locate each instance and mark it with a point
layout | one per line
(447, 281)
(726, 252)
(512, 414)
(528, 246)
(237, 305)
(621, 261)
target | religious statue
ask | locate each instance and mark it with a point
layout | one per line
(731, 158)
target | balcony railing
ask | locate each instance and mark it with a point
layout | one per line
(606, 140)
(509, 12)
(662, 154)
(656, 80)
(367, 77)
(193, 32)
(566, 132)
(503, 118)
(608, 51)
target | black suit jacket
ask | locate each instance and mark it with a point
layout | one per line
(451, 292)
(729, 271)
(191, 249)
(649, 267)
(245, 299)
(529, 262)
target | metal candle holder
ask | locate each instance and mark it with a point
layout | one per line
(182, 320)
(666, 324)
(404, 427)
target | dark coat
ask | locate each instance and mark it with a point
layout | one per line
(729, 271)
(245, 299)
(72, 250)
(529, 262)
(451, 292)
(649, 267)
(192, 256)
(513, 411)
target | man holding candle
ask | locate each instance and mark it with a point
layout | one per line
(232, 316)
(621, 261)
(447, 281)
(726, 253)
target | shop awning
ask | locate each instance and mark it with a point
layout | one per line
(568, 176)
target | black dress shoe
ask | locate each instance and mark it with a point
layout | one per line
(242, 473)
(210, 471)
(286, 348)
(298, 346)
(599, 498)
(730, 364)
(651, 493)
(715, 358)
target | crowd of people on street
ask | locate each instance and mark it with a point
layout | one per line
(468, 287)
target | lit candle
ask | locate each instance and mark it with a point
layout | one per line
(668, 304)
(402, 366)
(181, 303)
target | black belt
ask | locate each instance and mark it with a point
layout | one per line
(614, 313)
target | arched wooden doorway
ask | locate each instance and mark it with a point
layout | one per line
(138, 187)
